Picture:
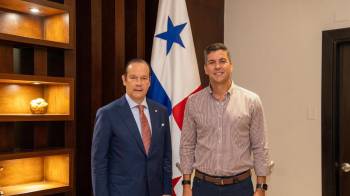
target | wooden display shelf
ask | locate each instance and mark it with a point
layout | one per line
(17, 91)
(49, 27)
(39, 188)
(36, 173)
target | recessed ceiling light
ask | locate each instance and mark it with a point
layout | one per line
(34, 10)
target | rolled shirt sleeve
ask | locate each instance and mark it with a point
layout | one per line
(188, 140)
(258, 138)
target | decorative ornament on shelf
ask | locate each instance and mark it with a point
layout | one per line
(38, 106)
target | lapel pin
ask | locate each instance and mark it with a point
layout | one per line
(162, 124)
(155, 110)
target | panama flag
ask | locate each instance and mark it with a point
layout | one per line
(175, 71)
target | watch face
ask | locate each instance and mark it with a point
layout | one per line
(264, 186)
(261, 186)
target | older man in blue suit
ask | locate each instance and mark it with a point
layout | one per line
(131, 147)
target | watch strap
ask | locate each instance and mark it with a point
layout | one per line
(186, 182)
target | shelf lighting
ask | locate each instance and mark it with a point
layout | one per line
(36, 83)
(34, 10)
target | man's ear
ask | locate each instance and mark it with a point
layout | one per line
(205, 69)
(124, 79)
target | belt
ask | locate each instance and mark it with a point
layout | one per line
(222, 180)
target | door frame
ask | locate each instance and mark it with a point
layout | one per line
(331, 40)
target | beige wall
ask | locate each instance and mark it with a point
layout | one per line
(276, 48)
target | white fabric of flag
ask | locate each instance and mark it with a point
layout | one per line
(175, 73)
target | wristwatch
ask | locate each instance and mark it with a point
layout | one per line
(262, 186)
(186, 182)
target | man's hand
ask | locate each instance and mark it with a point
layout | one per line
(259, 192)
(187, 191)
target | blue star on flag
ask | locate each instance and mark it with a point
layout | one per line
(172, 35)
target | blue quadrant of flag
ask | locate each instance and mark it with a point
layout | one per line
(157, 93)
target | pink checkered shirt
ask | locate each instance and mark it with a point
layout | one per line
(224, 138)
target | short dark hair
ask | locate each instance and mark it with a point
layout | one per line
(136, 60)
(215, 47)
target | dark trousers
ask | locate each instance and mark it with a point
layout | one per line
(202, 188)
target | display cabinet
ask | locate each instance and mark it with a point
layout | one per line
(37, 97)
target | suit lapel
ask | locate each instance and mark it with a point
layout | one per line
(130, 122)
(154, 115)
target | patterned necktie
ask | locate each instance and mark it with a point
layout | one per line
(145, 129)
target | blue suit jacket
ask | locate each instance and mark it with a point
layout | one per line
(120, 166)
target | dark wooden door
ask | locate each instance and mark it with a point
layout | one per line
(336, 113)
(344, 119)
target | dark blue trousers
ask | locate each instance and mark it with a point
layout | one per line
(202, 188)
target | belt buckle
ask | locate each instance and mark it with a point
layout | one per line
(222, 181)
(235, 180)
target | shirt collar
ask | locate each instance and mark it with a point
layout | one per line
(133, 104)
(229, 91)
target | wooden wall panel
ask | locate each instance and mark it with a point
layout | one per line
(119, 47)
(70, 70)
(95, 68)
(15, 99)
(151, 9)
(89, 65)
(205, 33)
(6, 59)
(140, 27)
(6, 62)
(6, 131)
(56, 168)
(131, 29)
(40, 61)
(112, 50)
(21, 171)
(40, 68)
(56, 28)
(20, 24)
(135, 28)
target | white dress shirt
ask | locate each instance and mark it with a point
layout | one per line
(135, 112)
